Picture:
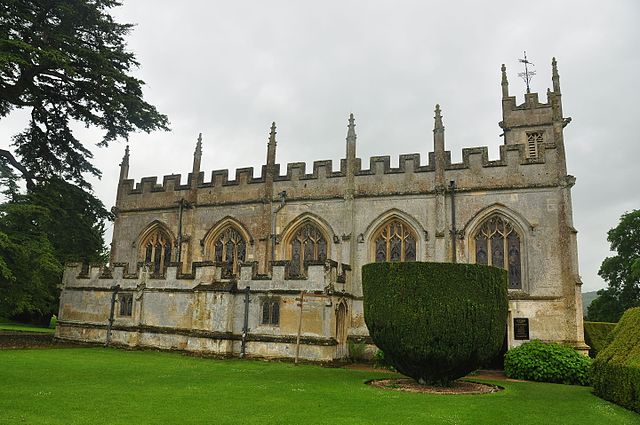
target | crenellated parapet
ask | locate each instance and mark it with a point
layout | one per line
(324, 276)
(324, 181)
(532, 154)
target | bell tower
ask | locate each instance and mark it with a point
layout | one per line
(533, 123)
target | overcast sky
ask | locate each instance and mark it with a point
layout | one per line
(228, 69)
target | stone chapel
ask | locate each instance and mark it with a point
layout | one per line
(270, 266)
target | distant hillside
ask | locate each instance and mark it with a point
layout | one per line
(587, 297)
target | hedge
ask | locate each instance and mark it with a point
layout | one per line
(435, 322)
(616, 370)
(596, 335)
(547, 362)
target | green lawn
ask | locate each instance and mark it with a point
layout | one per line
(8, 325)
(109, 386)
(24, 328)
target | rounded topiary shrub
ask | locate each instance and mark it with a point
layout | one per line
(547, 362)
(435, 322)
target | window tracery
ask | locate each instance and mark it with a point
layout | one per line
(308, 244)
(230, 249)
(498, 244)
(395, 241)
(157, 249)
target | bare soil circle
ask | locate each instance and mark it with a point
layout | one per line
(412, 386)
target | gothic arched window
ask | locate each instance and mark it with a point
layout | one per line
(395, 241)
(156, 250)
(308, 244)
(230, 249)
(498, 244)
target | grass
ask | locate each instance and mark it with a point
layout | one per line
(109, 386)
(24, 328)
(7, 325)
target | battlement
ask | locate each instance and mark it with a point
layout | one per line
(247, 187)
(325, 276)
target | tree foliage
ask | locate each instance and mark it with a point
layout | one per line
(616, 370)
(54, 223)
(29, 269)
(435, 322)
(66, 61)
(621, 272)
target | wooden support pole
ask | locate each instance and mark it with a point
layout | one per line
(299, 328)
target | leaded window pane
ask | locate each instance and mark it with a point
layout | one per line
(396, 248)
(157, 251)
(308, 250)
(481, 250)
(322, 250)
(410, 249)
(218, 252)
(515, 272)
(499, 245)
(497, 250)
(167, 255)
(381, 250)
(307, 245)
(230, 250)
(157, 259)
(241, 251)
(275, 313)
(265, 313)
(148, 254)
(295, 257)
(395, 242)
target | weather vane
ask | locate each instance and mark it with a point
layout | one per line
(526, 75)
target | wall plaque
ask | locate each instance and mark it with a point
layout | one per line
(520, 328)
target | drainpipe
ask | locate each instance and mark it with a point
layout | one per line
(454, 232)
(283, 197)
(245, 326)
(115, 290)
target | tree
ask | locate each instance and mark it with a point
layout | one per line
(621, 272)
(66, 61)
(29, 269)
(54, 223)
(435, 322)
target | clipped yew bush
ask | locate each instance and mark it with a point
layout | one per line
(547, 362)
(616, 369)
(597, 336)
(435, 322)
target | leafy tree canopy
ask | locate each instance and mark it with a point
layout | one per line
(66, 60)
(54, 223)
(621, 272)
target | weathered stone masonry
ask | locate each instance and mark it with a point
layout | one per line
(184, 252)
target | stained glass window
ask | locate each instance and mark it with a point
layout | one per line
(156, 249)
(498, 244)
(307, 245)
(395, 242)
(230, 250)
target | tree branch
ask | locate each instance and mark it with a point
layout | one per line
(13, 162)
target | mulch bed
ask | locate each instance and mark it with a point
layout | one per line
(410, 385)
(11, 339)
